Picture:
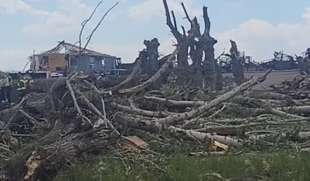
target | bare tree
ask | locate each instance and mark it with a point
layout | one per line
(198, 45)
(182, 39)
(236, 63)
(85, 22)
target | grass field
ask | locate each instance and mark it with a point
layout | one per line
(247, 167)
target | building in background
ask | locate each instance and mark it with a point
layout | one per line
(66, 58)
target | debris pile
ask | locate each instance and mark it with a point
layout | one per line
(50, 129)
(297, 88)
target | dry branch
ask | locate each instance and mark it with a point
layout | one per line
(196, 112)
(134, 72)
(95, 109)
(296, 109)
(206, 136)
(154, 78)
(76, 104)
(98, 25)
(84, 23)
(169, 102)
(133, 110)
(138, 122)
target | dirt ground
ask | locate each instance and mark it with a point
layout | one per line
(275, 77)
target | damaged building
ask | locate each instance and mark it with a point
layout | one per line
(66, 58)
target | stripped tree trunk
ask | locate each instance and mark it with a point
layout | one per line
(182, 40)
(236, 62)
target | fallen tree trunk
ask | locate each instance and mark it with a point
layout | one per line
(284, 114)
(169, 102)
(202, 109)
(296, 109)
(137, 122)
(304, 135)
(264, 105)
(268, 95)
(134, 72)
(153, 79)
(149, 125)
(133, 110)
(206, 136)
(224, 130)
(240, 130)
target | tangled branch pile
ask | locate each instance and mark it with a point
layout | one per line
(51, 128)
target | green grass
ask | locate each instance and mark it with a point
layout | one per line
(273, 167)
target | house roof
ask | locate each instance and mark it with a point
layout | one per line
(68, 48)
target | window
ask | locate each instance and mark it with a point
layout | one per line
(92, 62)
(91, 66)
(45, 60)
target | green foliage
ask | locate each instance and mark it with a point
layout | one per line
(273, 167)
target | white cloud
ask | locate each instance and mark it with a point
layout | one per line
(257, 37)
(260, 38)
(306, 15)
(167, 46)
(149, 9)
(19, 6)
(66, 18)
(13, 59)
(61, 21)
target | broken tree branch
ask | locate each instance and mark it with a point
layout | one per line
(95, 109)
(139, 111)
(196, 112)
(134, 72)
(84, 23)
(186, 13)
(98, 25)
(154, 78)
(170, 102)
(206, 136)
(76, 104)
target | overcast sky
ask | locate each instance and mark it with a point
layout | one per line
(259, 26)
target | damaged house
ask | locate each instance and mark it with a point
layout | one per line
(66, 57)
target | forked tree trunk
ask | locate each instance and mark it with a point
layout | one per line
(199, 46)
(182, 40)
